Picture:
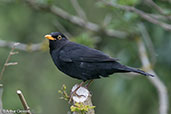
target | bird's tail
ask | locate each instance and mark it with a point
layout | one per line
(123, 68)
(139, 71)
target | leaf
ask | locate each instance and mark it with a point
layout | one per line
(128, 2)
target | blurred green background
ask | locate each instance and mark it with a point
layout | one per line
(39, 79)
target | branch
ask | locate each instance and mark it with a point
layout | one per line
(8, 58)
(82, 101)
(78, 9)
(3, 111)
(22, 46)
(107, 19)
(158, 84)
(23, 101)
(154, 5)
(148, 42)
(80, 97)
(61, 28)
(77, 20)
(142, 14)
(1, 91)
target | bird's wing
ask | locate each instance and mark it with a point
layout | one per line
(76, 52)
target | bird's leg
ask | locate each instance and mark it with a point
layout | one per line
(72, 93)
(86, 86)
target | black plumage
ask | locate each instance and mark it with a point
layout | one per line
(82, 62)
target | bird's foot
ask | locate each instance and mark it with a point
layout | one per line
(87, 85)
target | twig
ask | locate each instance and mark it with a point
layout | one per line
(158, 84)
(61, 28)
(8, 58)
(1, 91)
(23, 101)
(154, 5)
(158, 17)
(142, 14)
(77, 20)
(78, 9)
(148, 42)
(107, 19)
(158, 8)
(22, 46)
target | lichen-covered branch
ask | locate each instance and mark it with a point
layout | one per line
(147, 40)
(22, 46)
(158, 84)
(82, 101)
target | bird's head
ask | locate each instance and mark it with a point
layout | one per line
(56, 39)
(55, 36)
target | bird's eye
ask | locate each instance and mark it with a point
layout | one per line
(59, 37)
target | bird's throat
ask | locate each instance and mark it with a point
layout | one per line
(57, 45)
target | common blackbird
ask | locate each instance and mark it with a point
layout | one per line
(82, 62)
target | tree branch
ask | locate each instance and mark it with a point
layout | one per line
(22, 46)
(78, 9)
(77, 20)
(23, 101)
(142, 14)
(3, 111)
(1, 91)
(158, 8)
(8, 58)
(148, 42)
(61, 28)
(82, 101)
(158, 84)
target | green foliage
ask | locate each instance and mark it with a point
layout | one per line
(80, 107)
(84, 39)
(63, 92)
(77, 107)
(128, 2)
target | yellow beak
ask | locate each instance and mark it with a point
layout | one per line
(49, 37)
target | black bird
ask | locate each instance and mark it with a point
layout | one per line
(82, 62)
